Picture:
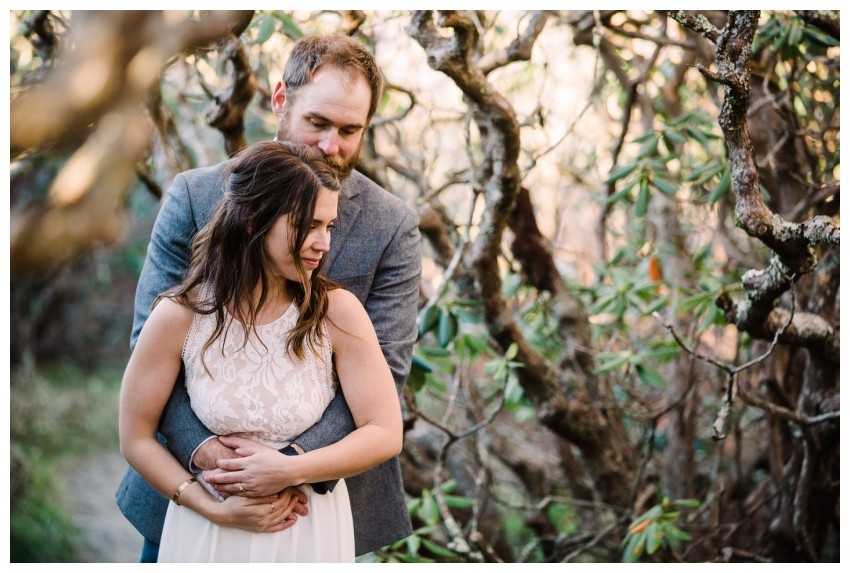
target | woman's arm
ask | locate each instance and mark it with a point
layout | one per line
(145, 389)
(371, 394)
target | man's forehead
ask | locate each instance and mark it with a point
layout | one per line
(332, 93)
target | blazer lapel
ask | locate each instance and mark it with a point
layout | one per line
(348, 211)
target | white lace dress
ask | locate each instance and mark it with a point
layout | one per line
(264, 393)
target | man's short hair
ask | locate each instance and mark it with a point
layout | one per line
(343, 52)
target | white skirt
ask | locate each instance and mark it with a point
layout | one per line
(325, 535)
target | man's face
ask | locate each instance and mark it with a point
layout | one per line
(328, 114)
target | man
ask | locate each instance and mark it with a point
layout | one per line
(330, 90)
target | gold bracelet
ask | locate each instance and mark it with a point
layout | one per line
(184, 485)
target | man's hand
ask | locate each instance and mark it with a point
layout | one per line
(257, 470)
(210, 451)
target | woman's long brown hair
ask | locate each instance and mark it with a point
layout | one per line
(266, 181)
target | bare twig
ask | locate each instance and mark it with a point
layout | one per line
(596, 539)
(730, 370)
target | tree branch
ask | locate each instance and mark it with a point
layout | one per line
(519, 49)
(227, 111)
(827, 20)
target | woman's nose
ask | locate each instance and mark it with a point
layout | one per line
(323, 241)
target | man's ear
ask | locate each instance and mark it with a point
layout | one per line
(278, 98)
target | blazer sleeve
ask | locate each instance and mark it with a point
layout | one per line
(391, 304)
(166, 262)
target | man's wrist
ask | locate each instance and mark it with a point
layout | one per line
(195, 469)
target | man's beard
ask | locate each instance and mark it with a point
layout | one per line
(342, 167)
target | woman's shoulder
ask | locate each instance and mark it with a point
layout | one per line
(170, 309)
(166, 326)
(341, 300)
(345, 311)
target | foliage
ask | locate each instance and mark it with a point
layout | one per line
(53, 424)
(638, 201)
(654, 529)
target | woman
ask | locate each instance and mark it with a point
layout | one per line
(260, 333)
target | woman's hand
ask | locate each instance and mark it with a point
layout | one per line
(261, 514)
(257, 471)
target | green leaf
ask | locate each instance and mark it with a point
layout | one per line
(619, 173)
(467, 316)
(696, 301)
(662, 353)
(419, 363)
(722, 187)
(413, 544)
(687, 503)
(819, 37)
(635, 547)
(429, 512)
(459, 502)
(650, 376)
(434, 352)
(496, 369)
(415, 380)
(709, 172)
(438, 549)
(675, 535)
(782, 39)
(407, 558)
(711, 316)
(603, 303)
(627, 545)
(649, 147)
(670, 516)
(447, 328)
(476, 344)
(290, 28)
(611, 361)
(664, 186)
(673, 136)
(697, 134)
(428, 318)
(267, 27)
(795, 34)
(448, 486)
(654, 537)
(435, 384)
(652, 513)
(655, 306)
(413, 505)
(642, 202)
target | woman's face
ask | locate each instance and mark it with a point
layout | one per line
(318, 240)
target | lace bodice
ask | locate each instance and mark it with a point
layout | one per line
(260, 391)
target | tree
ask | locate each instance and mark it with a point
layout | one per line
(667, 389)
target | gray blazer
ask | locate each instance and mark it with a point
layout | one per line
(375, 253)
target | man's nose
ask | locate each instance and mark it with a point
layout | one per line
(329, 143)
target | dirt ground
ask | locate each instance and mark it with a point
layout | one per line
(109, 537)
